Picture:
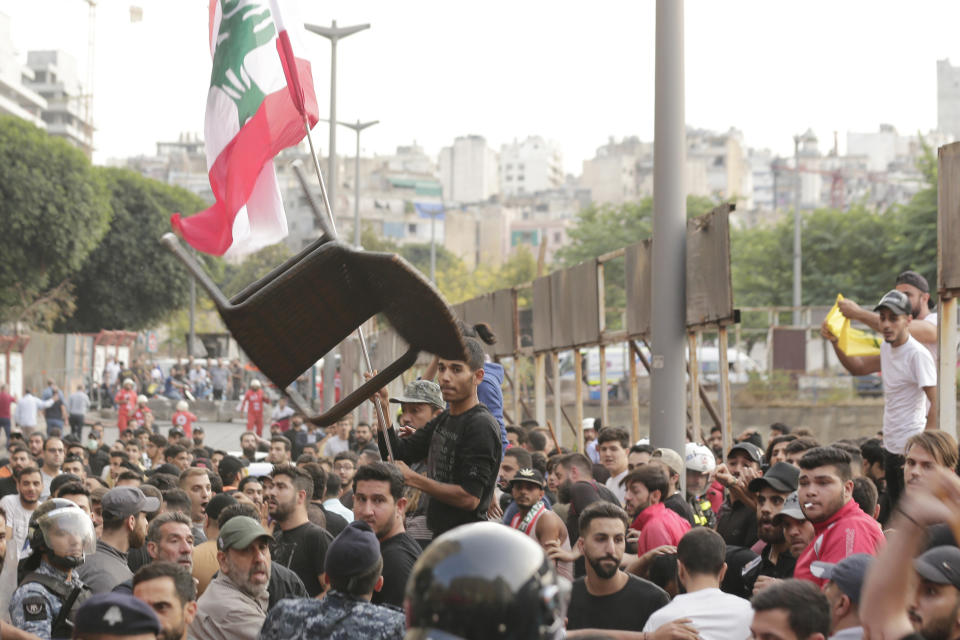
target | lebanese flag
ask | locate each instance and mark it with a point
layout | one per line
(259, 94)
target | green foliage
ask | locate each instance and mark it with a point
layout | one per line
(131, 281)
(856, 252)
(599, 229)
(54, 210)
(373, 241)
(238, 276)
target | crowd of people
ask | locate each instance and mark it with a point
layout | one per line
(449, 523)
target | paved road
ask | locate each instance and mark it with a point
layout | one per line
(219, 435)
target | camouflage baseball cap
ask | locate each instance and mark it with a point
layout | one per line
(422, 391)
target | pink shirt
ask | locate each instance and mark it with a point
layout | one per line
(658, 526)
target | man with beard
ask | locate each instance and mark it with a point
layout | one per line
(534, 517)
(248, 444)
(657, 526)
(580, 490)
(843, 593)
(53, 455)
(931, 609)
(279, 450)
(19, 460)
(378, 500)
(514, 459)
(737, 519)
(345, 465)
(169, 540)
(776, 561)
(909, 381)
(608, 598)
(298, 544)
(21, 505)
(612, 446)
(798, 532)
(235, 604)
(826, 496)
(915, 287)
(124, 511)
(363, 439)
(170, 591)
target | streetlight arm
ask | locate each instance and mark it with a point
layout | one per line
(335, 33)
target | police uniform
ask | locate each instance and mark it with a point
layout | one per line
(337, 617)
(35, 606)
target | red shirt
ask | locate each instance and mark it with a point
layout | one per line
(5, 401)
(658, 526)
(254, 401)
(845, 533)
(126, 400)
(184, 420)
(140, 415)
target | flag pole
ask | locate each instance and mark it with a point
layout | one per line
(288, 61)
(381, 416)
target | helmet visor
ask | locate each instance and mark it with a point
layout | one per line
(68, 531)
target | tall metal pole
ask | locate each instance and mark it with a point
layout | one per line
(797, 255)
(668, 322)
(358, 127)
(332, 33)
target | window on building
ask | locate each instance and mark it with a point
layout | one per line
(412, 229)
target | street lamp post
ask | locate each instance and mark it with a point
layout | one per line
(357, 127)
(797, 248)
(333, 33)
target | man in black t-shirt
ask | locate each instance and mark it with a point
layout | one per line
(298, 544)
(579, 489)
(461, 447)
(608, 598)
(378, 500)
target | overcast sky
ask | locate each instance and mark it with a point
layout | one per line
(573, 72)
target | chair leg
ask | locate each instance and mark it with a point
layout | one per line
(173, 244)
(359, 395)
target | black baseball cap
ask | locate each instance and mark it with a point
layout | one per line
(782, 477)
(752, 450)
(940, 565)
(896, 301)
(527, 475)
(914, 279)
(847, 574)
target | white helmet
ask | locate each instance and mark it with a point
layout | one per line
(699, 458)
(182, 405)
(141, 399)
(254, 384)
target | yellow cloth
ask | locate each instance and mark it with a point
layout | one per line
(852, 342)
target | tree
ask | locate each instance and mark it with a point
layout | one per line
(856, 252)
(131, 281)
(237, 277)
(55, 209)
(599, 229)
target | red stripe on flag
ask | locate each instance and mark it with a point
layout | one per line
(276, 125)
(290, 71)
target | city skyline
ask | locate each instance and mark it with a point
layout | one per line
(433, 75)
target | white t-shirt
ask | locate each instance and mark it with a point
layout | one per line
(716, 615)
(18, 519)
(617, 489)
(905, 370)
(335, 445)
